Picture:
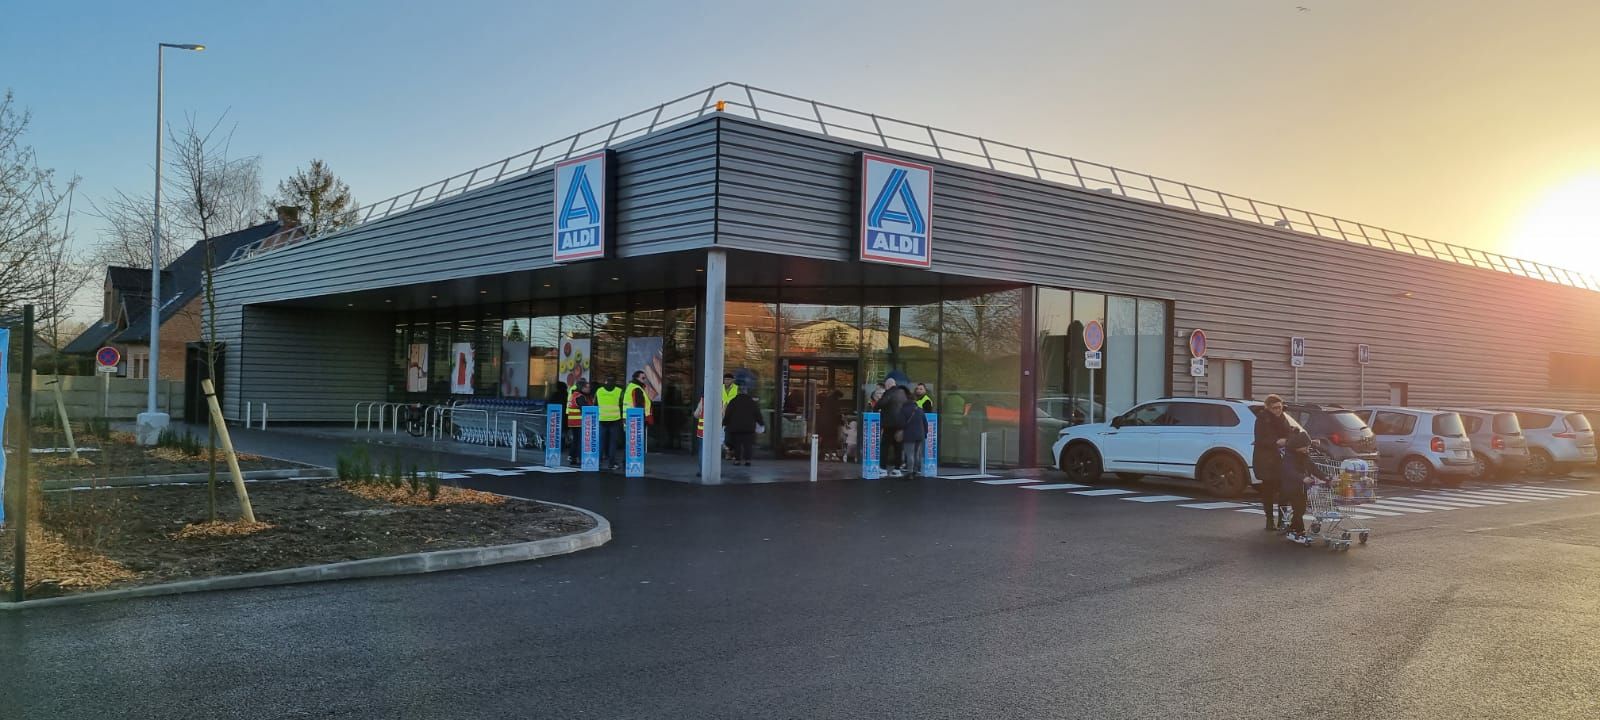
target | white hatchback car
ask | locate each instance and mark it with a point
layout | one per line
(1201, 439)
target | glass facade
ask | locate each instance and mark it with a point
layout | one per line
(813, 357)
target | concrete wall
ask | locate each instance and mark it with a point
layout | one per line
(82, 395)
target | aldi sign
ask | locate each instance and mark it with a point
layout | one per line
(896, 211)
(583, 207)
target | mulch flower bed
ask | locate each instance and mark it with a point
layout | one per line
(119, 456)
(120, 537)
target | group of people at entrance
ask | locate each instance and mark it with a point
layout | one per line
(741, 423)
(1282, 460)
(613, 403)
(903, 415)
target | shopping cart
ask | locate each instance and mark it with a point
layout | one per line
(1349, 483)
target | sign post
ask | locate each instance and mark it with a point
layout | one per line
(633, 465)
(106, 360)
(1197, 358)
(589, 461)
(1363, 356)
(554, 423)
(871, 445)
(1297, 360)
(930, 448)
(1094, 338)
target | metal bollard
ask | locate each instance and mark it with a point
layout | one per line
(813, 458)
(513, 441)
(983, 453)
(247, 414)
(263, 416)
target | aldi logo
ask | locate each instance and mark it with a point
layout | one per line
(896, 211)
(583, 203)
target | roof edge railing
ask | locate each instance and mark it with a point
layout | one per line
(902, 135)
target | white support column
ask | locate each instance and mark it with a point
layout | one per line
(712, 329)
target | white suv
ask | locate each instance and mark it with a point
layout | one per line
(1188, 438)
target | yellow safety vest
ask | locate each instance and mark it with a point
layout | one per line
(610, 402)
(728, 393)
(642, 393)
(924, 401)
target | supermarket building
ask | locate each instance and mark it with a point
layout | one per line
(811, 250)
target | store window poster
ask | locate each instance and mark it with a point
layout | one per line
(461, 367)
(417, 368)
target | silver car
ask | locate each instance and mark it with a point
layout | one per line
(1497, 442)
(1422, 446)
(1559, 441)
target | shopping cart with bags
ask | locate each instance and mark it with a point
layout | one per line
(1342, 485)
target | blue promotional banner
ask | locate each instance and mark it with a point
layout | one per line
(930, 448)
(554, 418)
(634, 422)
(5, 399)
(871, 445)
(589, 458)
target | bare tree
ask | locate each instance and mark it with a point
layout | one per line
(323, 198)
(30, 204)
(212, 193)
(125, 237)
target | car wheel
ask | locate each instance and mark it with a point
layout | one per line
(1540, 463)
(1129, 477)
(1223, 476)
(1481, 469)
(1081, 463)
(1416, 471)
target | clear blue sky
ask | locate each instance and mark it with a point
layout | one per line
(1445, 118)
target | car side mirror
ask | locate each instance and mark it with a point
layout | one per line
(1116, 422)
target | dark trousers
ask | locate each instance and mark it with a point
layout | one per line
(1269, 500)
(889, 455)
(611, 436)
(743, 445)
(1295, 497)
(574, 443)
(911, 454)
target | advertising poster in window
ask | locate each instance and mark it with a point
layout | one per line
(461, 367)
(645, 354)
(417, 368)
(514, 368)
(573, 365)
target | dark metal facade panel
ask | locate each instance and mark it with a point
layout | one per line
(310, 365)
(1463, 335)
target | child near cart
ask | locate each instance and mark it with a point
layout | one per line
(1299, 473)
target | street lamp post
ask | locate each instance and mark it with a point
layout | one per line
(151, 422)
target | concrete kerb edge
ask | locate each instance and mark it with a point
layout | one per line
(394, 565)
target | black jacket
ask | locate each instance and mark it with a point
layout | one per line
(891, 405)
(1266, 459)
(742, 414)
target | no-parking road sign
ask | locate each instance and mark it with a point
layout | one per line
(1197, 343)
(108, 358)
(1094, 336)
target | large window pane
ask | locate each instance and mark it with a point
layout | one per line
(1121, 365)
(1153, 349)
(750, 354)
(1055, 408)
(544, 347)
(514, 358)
(982, 341)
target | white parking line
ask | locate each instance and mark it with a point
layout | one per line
(1367, 509)
(1008, 481)
(1156, 498)
(1105, 491)
(1215, 505)
(967, 477)
(1454, 500)
(1054, 486)
(496, 472)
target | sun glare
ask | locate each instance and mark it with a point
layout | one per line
(1563, 228)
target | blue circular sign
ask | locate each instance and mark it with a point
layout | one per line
(108, 357)
(1094, 336)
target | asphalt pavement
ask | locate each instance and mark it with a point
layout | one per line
(933, 598)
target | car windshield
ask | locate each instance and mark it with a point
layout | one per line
(1578, 422)
(1506, 424)
(1448, 424)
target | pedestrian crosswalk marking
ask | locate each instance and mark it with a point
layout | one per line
(495, 472)
(1453, 499)
(1213, 505)
(1156, 498)
(1401, 508)
(1543, 492)
(968, 477)
(1429, 504)
(1054, 486)
(1104, 491)
(1007, 481)
(1488, 496)
(1382, 513)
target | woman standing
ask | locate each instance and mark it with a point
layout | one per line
(1273, 430)
(742, 419)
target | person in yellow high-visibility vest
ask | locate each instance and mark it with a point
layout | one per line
(730, 390)
(609, 397)
(580, 396)
(638, 396)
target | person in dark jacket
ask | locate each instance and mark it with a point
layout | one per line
(741, 419)
(1273, 430)
(1298, 472)
(890, 407)
(913, 432)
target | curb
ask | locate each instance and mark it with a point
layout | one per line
(134, 480)
(413, 564)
